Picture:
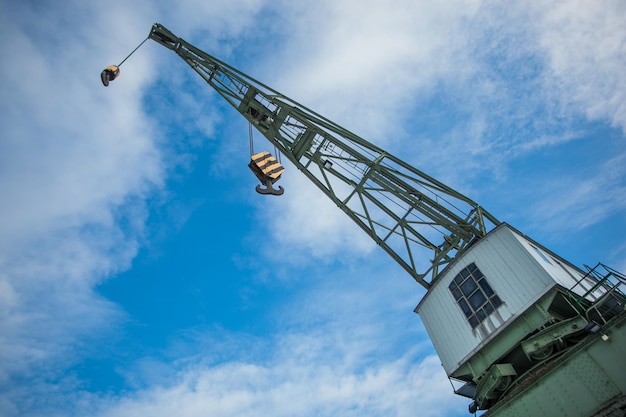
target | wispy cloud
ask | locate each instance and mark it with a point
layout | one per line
(399, 388)
(318, 361)
(486, 84)
(364, 64)
(73, 186)
(584, 43)
(597, 192)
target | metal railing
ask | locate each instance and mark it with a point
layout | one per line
(605, 299)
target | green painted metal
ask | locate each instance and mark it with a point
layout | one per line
(587, 380)
(496, 381)
(544, 341)
(608, 282)
(477, 363)
(420, 222)
(573, 365)
(564, 355)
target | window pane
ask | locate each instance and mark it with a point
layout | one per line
(458, 280)
(477, 300)
(486, 288)
(468, 287)
(471, 267)
(488, 309)
(496, 301)
(481, 315)
(457, 294)
(465, 307)
(473, 321)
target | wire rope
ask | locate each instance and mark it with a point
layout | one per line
(251, 139)
(144, 41)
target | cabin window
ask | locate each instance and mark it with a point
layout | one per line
(474, 295)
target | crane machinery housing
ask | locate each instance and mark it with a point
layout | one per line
(516, 326)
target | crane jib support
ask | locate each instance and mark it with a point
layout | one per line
(402, 209)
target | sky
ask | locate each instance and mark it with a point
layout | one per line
(141, 274)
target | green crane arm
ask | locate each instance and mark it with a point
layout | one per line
(420, 222)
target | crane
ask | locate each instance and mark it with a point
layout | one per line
(451, 246)
(401, 208)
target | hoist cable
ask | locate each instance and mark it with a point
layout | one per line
(277, 153)
(251, 140)
(144, 41)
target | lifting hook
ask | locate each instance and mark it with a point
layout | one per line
(269, 188)
(268, 170)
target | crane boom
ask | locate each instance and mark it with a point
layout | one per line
(420, 222)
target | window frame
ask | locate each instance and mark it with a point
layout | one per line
(473, 294)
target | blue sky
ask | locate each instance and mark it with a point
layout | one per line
(140, 274)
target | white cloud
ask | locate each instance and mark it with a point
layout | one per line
(72, 184)
(320, 362)
(77, 163)
(596, 193)
(222, 21)
(585, 46)
(362, 63)
(305, 218)
(515, 79)
(397, 388)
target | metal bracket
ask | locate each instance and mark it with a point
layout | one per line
(497, 379)
(540, 345)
